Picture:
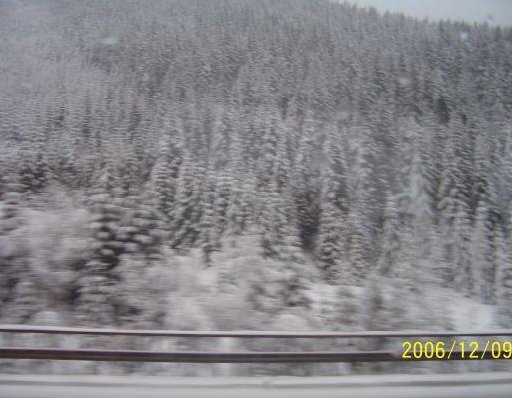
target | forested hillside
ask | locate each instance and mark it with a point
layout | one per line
(252, 164)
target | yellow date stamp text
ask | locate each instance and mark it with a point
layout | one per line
(456, 350)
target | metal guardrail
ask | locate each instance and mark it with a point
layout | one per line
(196, 357)
(227, 357)
(247, 334)
(217, 357)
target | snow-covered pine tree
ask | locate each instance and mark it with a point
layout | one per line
(482, 167)
(209, 237)
(67, 171)
(503, 281)
(142, 228)
(288, 275)
(296, 274)
(10, 204)
(140, 293)
(362, 182)
(33, 172)
(222, 139)
(186, 212)
(130, 170)
(96, 280)
(453, 222)
(331, 246)
(12, 260)
(420, 220)
(306, 186)
(282, 163)
(359, 252)
(404, 88)
(222, 200)
(237, 213)
(137, 294)
(347, 309)
(390, 242)
(26, 300)
(164, 180)
(272, 223)
(461, 260)
(336, 155)
(482, 254)
(268, 159)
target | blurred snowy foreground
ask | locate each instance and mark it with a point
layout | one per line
(483, 385)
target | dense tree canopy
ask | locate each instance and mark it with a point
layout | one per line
(358, 147)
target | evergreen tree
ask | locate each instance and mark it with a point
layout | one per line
(141, 229)
(25, 301)
(460, 255)
(347, 310)
(504, 283)
(163, 183)
(140, 292)
(360, 263)
(454, 224)
(130, 171)
(34, 173)
(284, 277)
(363, 181)
(419, 221)
(223, 138)
(306, 189)
(390, 241)
(186, 213)
(331, 245)
(221, 203)
(12, 258)
(209, 238)
(274, 223)
(237, 214)
(481, 254)
(96, 280)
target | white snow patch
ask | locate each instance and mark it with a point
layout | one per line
(110, 41)
(471, 315)
(404, 81)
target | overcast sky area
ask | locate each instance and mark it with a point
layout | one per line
(495, 12)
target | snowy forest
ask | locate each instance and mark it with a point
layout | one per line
(251, 164)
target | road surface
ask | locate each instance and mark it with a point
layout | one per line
(490, 385)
